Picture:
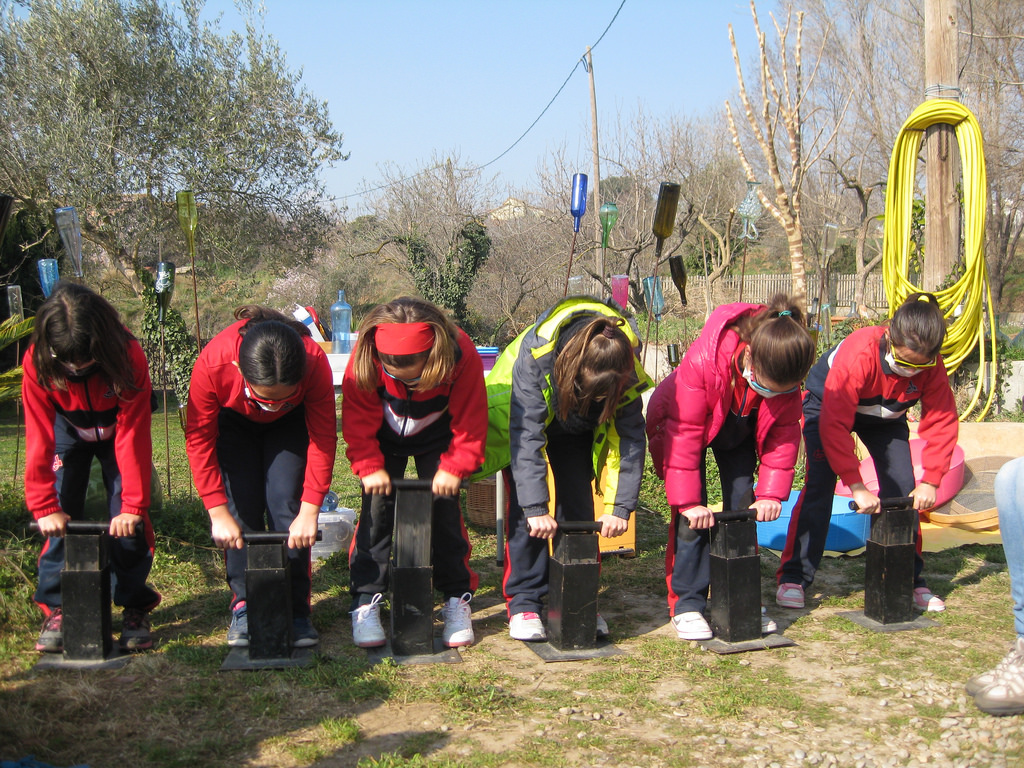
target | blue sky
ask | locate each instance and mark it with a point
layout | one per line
(404, 79)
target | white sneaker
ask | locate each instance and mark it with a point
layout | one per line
(602, 627)
(978, 683)
(458, 624)
(768, 625)
(526, 626)
(366, 629)
(692, 626)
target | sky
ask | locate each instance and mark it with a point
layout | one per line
(408, 80)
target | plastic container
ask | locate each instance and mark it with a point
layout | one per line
(847, 530)
(341, 326)
(949, 485)
(488, 355)
(336, 529)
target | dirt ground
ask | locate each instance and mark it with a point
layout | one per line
(842, 695)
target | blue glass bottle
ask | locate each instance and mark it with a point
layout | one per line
(341, 326)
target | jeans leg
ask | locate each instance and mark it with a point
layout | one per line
(1009, 490)
(811, 516)
(240, 455)
(285, 446)
(889, 446)
(73, 462)
(369, 557)
(526, 570)
(525, 581)
(131, 557)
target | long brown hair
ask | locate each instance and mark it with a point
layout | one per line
(439, 360)
(596, 362)
(919, 325)
(75, 325)
(781, 347)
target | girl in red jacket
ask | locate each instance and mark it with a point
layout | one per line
(87, 394)
(413, 387)
(866, 385)
(737, 391)
(261, 436)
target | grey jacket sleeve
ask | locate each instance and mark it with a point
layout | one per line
(629, 423)
(528, 419)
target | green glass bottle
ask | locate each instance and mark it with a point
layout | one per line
(678, 269)
(665, 213)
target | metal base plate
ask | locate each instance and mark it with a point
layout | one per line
(858, 617)
(442, 655)
(115, 660)
(550, 653)
(764, 642)
(238, 658)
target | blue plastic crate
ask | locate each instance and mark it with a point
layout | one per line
(847, 530)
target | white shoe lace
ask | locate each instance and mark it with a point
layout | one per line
(457, 613)
(368, 612)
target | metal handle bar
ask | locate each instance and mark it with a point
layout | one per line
(897, 502)
(579, 526)
(731, 515)
(81, 527)
(418, 484)
(271, 537)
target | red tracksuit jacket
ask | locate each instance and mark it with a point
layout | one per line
(217, 383)
(391, 418)
(850, 384)
(97, 414)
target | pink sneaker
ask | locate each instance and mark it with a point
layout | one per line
(790, 596)
(924, 600)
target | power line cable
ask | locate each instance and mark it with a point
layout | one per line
(512, 146)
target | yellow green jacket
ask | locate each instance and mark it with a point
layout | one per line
(520, 400)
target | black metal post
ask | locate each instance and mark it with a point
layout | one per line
(85, 592)
(889, 567)
(412, 575)
(573, 579)
(735, 602)
(268, 586)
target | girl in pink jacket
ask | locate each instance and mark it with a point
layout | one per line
(736, 391)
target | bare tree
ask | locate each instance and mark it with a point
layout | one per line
(994, 76)
(432, 222)
(776, 125)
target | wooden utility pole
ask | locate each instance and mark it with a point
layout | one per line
(597, 176)
(942, 155)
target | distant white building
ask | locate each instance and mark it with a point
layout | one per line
(514, 208)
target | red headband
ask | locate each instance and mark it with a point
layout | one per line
(403, 338)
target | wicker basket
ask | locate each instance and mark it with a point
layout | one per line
(480, 501)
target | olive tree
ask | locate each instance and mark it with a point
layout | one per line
(113, 106)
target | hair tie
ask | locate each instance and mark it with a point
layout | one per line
(608, 332)
(785, 313)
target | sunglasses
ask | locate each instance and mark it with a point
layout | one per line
(264, 400)
(761, 389)
(906, 363)
(73, 368)
(407, 382)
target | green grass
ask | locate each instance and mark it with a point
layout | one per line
(660, 702)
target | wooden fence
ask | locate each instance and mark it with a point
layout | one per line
(839, 292)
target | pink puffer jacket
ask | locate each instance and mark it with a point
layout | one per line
(687, 410)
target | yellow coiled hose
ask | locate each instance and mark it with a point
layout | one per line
(971, 292)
